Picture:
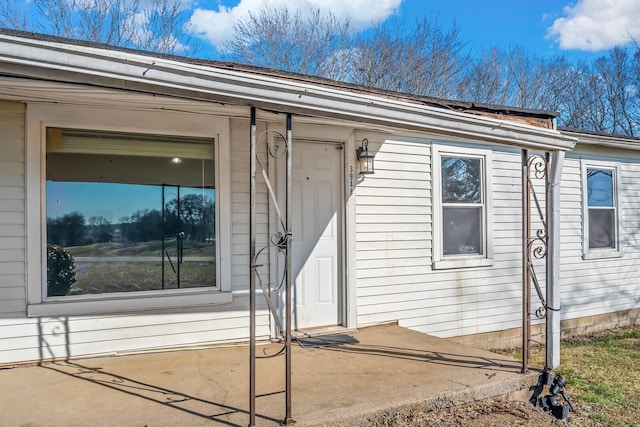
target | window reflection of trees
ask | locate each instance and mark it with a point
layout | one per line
(600, 187)
(461, 180)
(196, 221)
(131, 208)
(131, 253)
(462, 210)
(196, 217)
(601, 208)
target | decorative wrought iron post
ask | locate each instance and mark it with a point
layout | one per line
(282, 242)
(534, 247)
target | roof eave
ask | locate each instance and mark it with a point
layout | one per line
(603, 140)
(54, 61)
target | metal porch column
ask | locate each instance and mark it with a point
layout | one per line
(553, 262)
(281, 241)
(287, 419)
(526, 275)
(252, 271)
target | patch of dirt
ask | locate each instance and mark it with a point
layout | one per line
(483, 413)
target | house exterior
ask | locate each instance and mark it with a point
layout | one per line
(138, 166)
(599, 233)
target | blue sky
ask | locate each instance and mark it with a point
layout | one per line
(111, 201)
(486, 23)
(578, 29)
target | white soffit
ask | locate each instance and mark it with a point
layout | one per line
(54, 61)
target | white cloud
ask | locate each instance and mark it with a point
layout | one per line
(594, 25)
(216, 26)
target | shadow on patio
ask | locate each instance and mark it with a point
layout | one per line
(392, 368)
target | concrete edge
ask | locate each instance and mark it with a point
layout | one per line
(516, 388)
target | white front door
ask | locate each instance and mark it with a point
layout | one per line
(317, 235)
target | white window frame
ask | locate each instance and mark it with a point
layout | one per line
(41, 116)
(599, 253)
(440, 261)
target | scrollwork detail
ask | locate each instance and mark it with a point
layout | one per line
(538, 165)
(276, 148)
(539, 252)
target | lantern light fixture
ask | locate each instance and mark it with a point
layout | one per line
(365, 157)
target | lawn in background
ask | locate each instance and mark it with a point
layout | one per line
(603, 376)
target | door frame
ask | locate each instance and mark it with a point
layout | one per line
(277, 173)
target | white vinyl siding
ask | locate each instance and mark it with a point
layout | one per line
(394, 237)
(12, 212)
(240, 211)
(599, 285)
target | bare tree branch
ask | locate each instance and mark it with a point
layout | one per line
(161, 27)
(13, 15)
(422, 59)
(273, 37)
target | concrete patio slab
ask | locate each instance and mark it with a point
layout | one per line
(391, 369)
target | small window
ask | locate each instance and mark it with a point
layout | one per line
(462, 206)
(601, 211)
(460, 214)
(135, 212)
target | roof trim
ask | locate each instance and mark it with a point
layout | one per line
(420, 99)
(603, 139)
(64, 62)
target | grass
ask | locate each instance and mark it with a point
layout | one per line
(97, 278)
(152, 248)
(132, 274)
(603, 376)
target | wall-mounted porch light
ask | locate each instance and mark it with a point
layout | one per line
(365, 157)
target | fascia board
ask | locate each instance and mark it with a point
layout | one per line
(605, 141)
(123, 70)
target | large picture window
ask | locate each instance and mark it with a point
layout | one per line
(135, 212)
(601, 210)
(460, 211)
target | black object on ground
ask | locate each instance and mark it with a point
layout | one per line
(550, 402)
(332, 340)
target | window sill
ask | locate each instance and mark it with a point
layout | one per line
(602, 254)
(140, 301)
(462, 263)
